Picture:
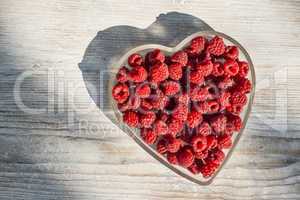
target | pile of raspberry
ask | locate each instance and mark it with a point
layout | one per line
(186, 105)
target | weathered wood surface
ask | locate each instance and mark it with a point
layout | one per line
(70, 150)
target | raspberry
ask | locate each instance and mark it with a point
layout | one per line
(231, 68)
(199, 93)
(175, 126)
(217, 69)
(218, 123)
(194, 168)
(235, 121)
(216, 156)
(160, 127)
(156, 56)
(171, 157)
(122, 75)
(196, 77)
(224, 141)
(216, 46)
(123, 106)
(202, 107)
(213, 106)
(134, 102)
(238, 98)
(159, 100)
(131, 118)
(175, 71)
(148, 135)
(208, 169)
(204, 129)
(138, 74)
(225, 83)
(180, 57)
(183, 98)
(199, 143)
(161, 146)
(147, 119)
(185, 156)
(224, 100)
(172, 144)
(159, 72)
(243, 85)
(197, 44)
(170, 88)
(201, 155)
(146, 105)
(180, 112)
(243, 68)
(120, 92)
(231, 52)
(211, 142)
(135, 60)
(143, 90)
(235, 109)
(205, 68)
(194, 118)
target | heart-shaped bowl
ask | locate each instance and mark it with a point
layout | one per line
(116, 116)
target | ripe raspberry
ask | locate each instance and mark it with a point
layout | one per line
(199, 93)
(243, 85)
(205, 68)
(175, 126)
(180, 112)
(146, 105)
(204, 129)
(161, 147)
(201, 155)
(224, 141)
(170, 88)
(243, 68)
(182, 98)
(120, 92)
(171, 157)
(231, 68)
(235, 121)
(147, 119)
(216, 156)
(143, 90)
(197, 44)
(134, 102)
(208, 169)
(158, 100)
(196, 77)
(148, 135)
(231, 52)
(216, 46)
(160, 127)
(202, 107)
(123, 106)
(172, 144)
(175, 71)
(234, 109)
(218, 123)
(131, 118)
(180, 57)
(156, 56)
(122, 75)
(194, 168)
(224, 100)
(194, 118)
(211, 142)
(238, 98)
(217, 69)
(213, 106)
(199, 143)
(185, 156)
(225, 83)
(135, 60)
(138, 74)
(159, 72)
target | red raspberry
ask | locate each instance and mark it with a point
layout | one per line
(225, 83)
(180, 57)
(120, 92)
(161, 146)
(202, 107)
(235, 109)
(143, 90)
(197, 44)
(235, 121)
(216, 46)
(216, 156)
(138, 74)
(217, 69)
(175, 71)
(170, 88)
(185, 156)
(172, 144)
(201, 155)
(194, 118)
(199, 93)
(148, 135)
(122, 75)
(213, 106)
(199, 143)
(159, 72)
(131, 118)
(183, 98)
(224, 100)
(160, 127)
(243, 85)
(175, 126)
(238, 98)
(196, 77)
(224, 141)
(231, 68)
(147, 119)
(211, 142)
(146, 105)
(180, 112)
(123, 106)
(159, 100)
(218, 123)
(134, 102)
(205, 68)
(135, 60)
(194, 168)
(208, 169)
(171, 157)
(243, 68)
(231, 52)
(156, 56)
(204, 129)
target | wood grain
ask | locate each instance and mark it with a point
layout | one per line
(71, 151)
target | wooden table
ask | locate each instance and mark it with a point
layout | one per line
(56, 144)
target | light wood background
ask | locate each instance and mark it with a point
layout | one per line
(63, 147)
